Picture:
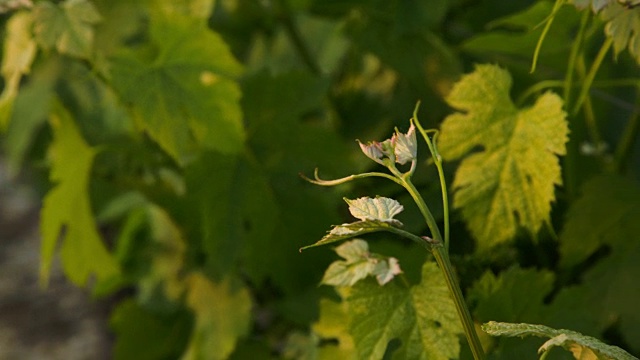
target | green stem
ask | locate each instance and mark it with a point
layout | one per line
(577, 44)
(442, 258)
(588, 80)
(629, 136)
(547, 26)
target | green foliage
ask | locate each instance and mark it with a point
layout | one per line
(166, 139)
(510, 183)
(68, 206)
(422, 317)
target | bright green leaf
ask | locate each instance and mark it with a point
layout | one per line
(67, 27)
(190, 94)
(332, 325)
(67, 207)
(423, 318)
(510, 181)
(571, 340)
(19, 51)
(223, 314)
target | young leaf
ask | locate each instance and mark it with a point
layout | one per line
(222, 315)
(378, 209)
(405, 146)
(67, 205)
(423, 318)
(510, 182)
(348, 231)
(577, 343)
(190, 89)
(358, 264)
(623, 26)
(67, 27)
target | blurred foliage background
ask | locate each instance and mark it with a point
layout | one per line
(165, 140)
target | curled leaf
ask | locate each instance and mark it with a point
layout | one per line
(405, 146)
(380, 209)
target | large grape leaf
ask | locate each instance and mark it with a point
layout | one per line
(423, 318)
(510, 181)
(67, 207)
(222, 314)
(67, 26)
(19, 51)
(185, 93)
(606, 216)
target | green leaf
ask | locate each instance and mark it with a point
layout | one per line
(222, 314)
(571, 340)
(510, 182)
(19, 51)
(515, 295)
(423, 318)
(378, 209)
(623, 26)
(191, 96)
(144, 335)
(67, 206)
(67, 26)
(348, 231)
(605, 216)
(358, 264)
(332, 326)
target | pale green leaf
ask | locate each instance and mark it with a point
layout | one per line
(222, 315)
(405, 145)
(19, 51)
(378, 209)
(358, 264)
(423, 318)
(568, 339)
(623, 26)
(67, 207)
(67, 26)
(186, 95)
(509, 183)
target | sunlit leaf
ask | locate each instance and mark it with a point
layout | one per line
(67, 26)
(222, 315)
(509, 183)
(67, 207)
(19, 51)
(351, 230)
(623, 25)
(190, 95)
(375, 209)
(358, 264)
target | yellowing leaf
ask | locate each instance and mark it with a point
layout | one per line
(185, 94)
(423, 318)
(67, 207)
(19, 51)
(67, 27)
(510, 181)
(223, 314)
